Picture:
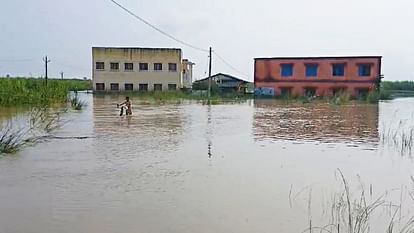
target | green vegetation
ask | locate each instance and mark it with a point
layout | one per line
(30, 91)
(340, 98)
(16, 133)
(391, 89)
(11, 140)
(399, 137)
(353, 210)
(179, 96)
(397, 85)
(76, 103)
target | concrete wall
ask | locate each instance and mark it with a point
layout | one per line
(136, 77)
(187, 73)
(268, 74)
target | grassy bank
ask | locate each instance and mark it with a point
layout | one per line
(30, 91)
(397, 85)
(178, 96)
(216, 98)
(397, 89)
(338, 99)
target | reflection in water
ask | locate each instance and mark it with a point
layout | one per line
(150, 171)
(7, 113)
(151, 127)
(209, 132)
(315, 122)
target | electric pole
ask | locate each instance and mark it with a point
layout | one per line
(46, 60)
(209, 75)
(61, 75)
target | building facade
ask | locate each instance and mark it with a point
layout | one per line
(138, 69)
(187, 74)
(226, 83)
(317, 76)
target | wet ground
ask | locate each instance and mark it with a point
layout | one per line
(189, 167)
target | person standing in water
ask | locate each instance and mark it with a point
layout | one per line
(127, 105)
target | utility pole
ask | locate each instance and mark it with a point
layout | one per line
(61, 75)
(46, 60)
(209, 75)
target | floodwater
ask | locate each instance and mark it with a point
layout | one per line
(256, 166)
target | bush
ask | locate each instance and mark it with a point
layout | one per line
(373, 97)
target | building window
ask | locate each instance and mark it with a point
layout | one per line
(338, 69)
(311, 70)
(172, 67)
(143, 87)
(129, 86)
(100, 86)
(309, 91)
(100, 66)
(172, 87)
(143, 66)
(157, 87)
(129, 66)
(287, 70)
(286, 91)
(158, 66)
(114, 66)
(364, 70)
(114, 86)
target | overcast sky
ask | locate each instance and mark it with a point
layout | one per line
(237, 30)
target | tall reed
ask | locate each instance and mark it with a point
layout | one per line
(350, 213)
(18, 132)
(22, 91)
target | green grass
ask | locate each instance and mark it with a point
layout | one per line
(30, 91)
(179, 96)
(357, 210)
(398, 85)
(11, 140)
(15, 133)
(76, 103)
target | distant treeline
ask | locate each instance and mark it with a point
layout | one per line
(398, 85)
(32, 91)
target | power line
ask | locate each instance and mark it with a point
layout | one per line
(175, 38)
(157, 29)
(229, 65)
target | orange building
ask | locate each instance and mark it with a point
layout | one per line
(317, 76)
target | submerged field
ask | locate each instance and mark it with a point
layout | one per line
(245, 166)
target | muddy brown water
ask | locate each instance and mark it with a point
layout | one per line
(188, 167)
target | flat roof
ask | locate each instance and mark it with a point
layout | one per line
(141, 48)
(308, 58)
